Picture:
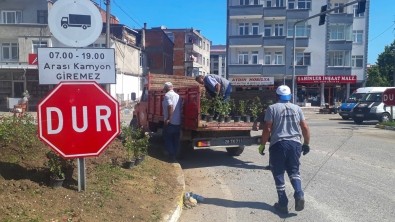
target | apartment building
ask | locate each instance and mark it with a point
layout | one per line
(24, 28)
(330, 58)
(191, 52)
(218, 60)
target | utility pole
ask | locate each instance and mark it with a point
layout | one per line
(108, 16)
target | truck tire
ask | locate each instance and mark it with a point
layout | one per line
(358, 120)
(345, 117)
(65, 26)
(235, 151)
(386, 117)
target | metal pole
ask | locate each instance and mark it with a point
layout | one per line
(294, 64)
(108, 16)
(81, 175)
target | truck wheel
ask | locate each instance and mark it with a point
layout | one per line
(235, 151)
(386, 117)
(65, 26)
(358, 120)
(345, 117)
(84, 27)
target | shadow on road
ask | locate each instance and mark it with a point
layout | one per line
(245, 204)
(208, 157)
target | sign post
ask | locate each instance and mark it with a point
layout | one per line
(389, 100)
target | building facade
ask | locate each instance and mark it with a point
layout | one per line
(191, 52)
(24, 28)
(330, 59)
(218, 60)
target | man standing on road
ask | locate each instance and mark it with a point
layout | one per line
(215, 85)
(172, 120)
(285, 123)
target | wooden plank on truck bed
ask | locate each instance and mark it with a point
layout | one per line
(156, 81)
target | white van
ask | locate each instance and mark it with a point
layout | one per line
(371, 107)
(347, 105)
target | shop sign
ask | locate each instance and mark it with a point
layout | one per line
(251, 81)
(326, 79)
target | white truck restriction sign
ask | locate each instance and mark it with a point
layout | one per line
(76, 64)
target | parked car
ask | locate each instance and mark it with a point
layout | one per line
(371, 107)
(346, 107)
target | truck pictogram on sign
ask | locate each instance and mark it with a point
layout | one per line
(74, 20)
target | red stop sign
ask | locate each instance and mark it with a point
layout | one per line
(389, 97)
(78, 119)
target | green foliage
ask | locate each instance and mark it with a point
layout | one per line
(383, 71)
(241, 107)
(255, 107)
(135, 141)
(19, 130)
(204, 104)
(55, 165)
(221, 106)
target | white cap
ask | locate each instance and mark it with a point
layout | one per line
(167, 85)
(284, 92)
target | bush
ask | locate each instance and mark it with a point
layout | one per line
(20, 130)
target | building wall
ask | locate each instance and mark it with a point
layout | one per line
(159, 49)
(320, 43)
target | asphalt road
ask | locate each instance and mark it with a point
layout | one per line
(349, 175)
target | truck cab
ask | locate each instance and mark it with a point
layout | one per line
(371, 107)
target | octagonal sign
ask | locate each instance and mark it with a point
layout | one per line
(78, 119)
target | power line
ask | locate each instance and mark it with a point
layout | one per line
(382, 32)
(127, 14)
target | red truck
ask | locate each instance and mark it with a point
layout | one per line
(196, 133)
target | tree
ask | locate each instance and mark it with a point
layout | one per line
(383, 71)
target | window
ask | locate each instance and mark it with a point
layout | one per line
(254, 57)
(9, 51)
(97, 45)
(278, 58)
(269, 3)
(244, 2)
(340, 32)
(279, 3)
(303, 58)
(268, 30)
(279, 30)
(243, 57)
(11, 17)
(38, 44)
(255, 28)
(339, 58)
(291, 4)
(42, 16)
(339, 10)
(243, 29)
(302, 30)
(357, 61)
(304, 4)
(355, 8)
(357, 36)
(268, 58)
(256, 2)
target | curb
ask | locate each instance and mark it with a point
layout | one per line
(385, 127)
(175, 214)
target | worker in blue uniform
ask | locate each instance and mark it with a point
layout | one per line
(285, 125)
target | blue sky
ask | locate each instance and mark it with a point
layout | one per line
(209, 16)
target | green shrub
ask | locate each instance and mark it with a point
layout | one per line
(22, 131)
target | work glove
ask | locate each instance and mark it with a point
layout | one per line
(261, 149)
(305, 149)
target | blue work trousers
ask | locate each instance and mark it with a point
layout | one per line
(284, 156)
(171, 136)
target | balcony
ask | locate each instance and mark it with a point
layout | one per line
(341, 18)
(339, 71)
(245, 41)
(13, 31)
(342, 45)
(273, 69)
(297, 14)
(246, 12)
(274, 41)
(244, 69)
(274, 13)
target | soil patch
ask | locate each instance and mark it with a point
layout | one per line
(144, 193)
